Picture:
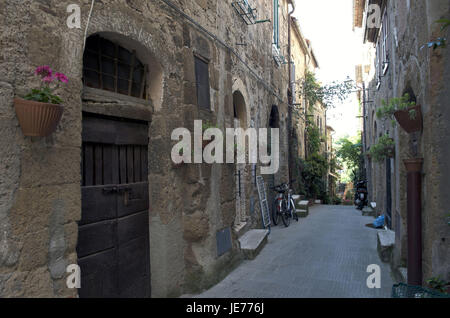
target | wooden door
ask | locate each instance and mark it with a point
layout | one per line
(113, 236)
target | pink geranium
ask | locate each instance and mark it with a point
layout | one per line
(61, 77)
(45, 93)
(43, 71)
(48, 79)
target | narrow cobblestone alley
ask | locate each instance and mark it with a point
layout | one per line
(324, 255)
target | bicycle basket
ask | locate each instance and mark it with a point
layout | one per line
(402, 290)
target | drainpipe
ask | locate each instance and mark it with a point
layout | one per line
(290, 89)
(414, 220)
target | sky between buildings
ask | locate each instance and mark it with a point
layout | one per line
(328, 24)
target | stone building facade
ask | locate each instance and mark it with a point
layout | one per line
(303, 61)
(398, 61)
(195, 212)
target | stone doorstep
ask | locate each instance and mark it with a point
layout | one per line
(296, 197)
(302, 213)
(240, 228)
(303, 205)
(385, 244)
(318, 202)
(367, 211)
(252, 242)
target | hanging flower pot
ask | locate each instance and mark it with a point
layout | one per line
(404, 110)
(410, 119)
(40, 111)
(37, 119)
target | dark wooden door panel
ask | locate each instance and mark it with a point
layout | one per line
(133, 198)
(98, 203)
(139, 288)
(107, 131)
(99, 275)
(113, 242)
(96, 237)
(132, 226)
(133, 263)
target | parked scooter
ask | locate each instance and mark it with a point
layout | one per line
(361, 195)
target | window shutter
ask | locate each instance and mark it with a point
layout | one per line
(202, 80)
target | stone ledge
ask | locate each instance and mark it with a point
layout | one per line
(303, 205)
(385, 244)
(302, 213)
(253, 242)
(367, 211)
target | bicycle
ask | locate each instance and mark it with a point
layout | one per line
(283, 205)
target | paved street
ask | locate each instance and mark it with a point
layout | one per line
(323, 255)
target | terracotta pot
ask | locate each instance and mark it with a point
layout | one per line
(409, 124)
(37, 119)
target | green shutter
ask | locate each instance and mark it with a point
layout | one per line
(276, 24)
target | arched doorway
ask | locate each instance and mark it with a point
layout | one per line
(240, 121)
(113, 246)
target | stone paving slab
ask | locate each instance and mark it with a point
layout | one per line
(324, 255)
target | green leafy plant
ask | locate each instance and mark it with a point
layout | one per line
(383, 149)
(438, 284)
(395, 104)
(49, 83)
(315, 167)
(350, 155)
(328, 95)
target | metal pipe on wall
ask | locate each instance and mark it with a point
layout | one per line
(414, 220)
(290, 92)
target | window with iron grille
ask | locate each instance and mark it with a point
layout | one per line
(109, 66)
(202, 81)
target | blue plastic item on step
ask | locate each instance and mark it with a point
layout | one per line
(379, 221)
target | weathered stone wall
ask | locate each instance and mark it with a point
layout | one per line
(417, 69)
(40, 177)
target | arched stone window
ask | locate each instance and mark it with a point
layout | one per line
(111, 67)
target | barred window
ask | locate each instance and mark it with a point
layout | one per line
(109, 66)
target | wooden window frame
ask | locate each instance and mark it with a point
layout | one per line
(199, 85)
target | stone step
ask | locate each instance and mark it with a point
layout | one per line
(302, 213)
(368, 211)
(385, 244)
(318, 202)
(303, 205)
(253, 242)
(296, 197)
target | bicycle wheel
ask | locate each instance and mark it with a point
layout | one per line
(285, 214)
(294, 212)
(276, 210)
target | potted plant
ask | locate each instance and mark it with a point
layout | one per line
(385, 148)
(439, 285)
(39, 112)
(406, 112)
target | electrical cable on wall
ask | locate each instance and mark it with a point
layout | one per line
(214, 37)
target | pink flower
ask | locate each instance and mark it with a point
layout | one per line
(61, 77)
(43, 71)
(48, 79)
